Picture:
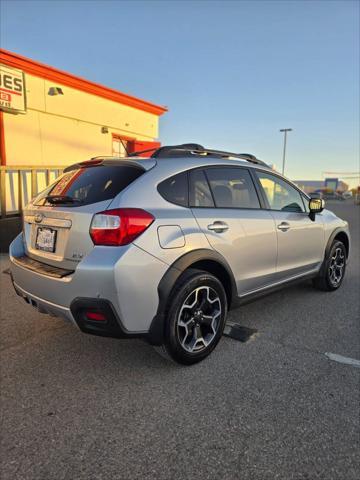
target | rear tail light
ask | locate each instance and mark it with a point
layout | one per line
(119, 226)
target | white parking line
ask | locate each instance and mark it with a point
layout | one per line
(345, 360)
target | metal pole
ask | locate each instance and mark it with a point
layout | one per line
(285, 130)
(2, 191)
(284, 153)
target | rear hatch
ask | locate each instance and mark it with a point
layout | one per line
(57, 222)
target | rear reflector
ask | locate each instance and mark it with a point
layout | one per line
(119, 226)
(96, 316)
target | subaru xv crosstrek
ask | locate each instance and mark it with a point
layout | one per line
(162, 247)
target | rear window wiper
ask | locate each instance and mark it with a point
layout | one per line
(58, 199)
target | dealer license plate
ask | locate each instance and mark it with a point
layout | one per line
(45, 239)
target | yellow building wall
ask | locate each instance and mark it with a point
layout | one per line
(64, 129)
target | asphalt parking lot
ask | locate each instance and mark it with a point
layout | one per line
(82, 407)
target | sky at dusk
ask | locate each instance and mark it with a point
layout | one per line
(232, 73)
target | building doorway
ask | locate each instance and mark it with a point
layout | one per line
(120, 146)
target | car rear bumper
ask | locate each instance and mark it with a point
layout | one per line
(44, 306)
(76, 314)
(118, 275)
(109, 326)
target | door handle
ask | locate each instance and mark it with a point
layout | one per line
(218, 227)
(284, 226)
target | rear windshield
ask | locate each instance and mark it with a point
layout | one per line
(91, 185)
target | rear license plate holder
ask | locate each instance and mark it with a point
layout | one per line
(46, 239)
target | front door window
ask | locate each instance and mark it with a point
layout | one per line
(280, 195)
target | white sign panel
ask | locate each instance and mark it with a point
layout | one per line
(12, 90)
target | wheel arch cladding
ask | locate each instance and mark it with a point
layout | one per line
(342, 236)
(344, 239)
(219, 271)
(202, 259)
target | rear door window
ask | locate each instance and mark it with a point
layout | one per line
(232, 188)
(93, 184)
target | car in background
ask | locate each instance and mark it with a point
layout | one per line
(317, 194)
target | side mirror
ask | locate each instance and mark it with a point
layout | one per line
(316, 205)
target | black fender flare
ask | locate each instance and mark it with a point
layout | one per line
(331, 239)
(155, 335)
(334, 233)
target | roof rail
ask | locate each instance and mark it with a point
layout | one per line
(190, 149)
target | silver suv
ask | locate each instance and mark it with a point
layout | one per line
(162, 247)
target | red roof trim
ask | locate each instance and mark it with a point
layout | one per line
(49, 73)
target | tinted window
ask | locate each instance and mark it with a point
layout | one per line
(200, 195)
(175, 189)
(232, 188)
(280, 194)
(94, 184)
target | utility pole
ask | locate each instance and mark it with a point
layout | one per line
(285, 130)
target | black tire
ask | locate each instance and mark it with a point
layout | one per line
(200, 326)
(331, 274)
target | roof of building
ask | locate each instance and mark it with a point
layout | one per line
(50, 73)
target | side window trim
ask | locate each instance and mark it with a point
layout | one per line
(209, 185)
(203, 170)
(305, 202)
(264, 204)
(274, 174)
(188, 188)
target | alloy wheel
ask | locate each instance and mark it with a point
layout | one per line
(199, 319)
(336, 267)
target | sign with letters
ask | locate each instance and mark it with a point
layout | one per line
(12, 90)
